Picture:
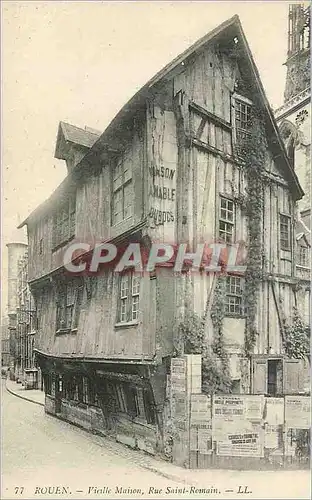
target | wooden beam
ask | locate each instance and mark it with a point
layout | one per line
(201, 128)
(216, 152)
(275, 178)
(280, 312)
(210, 116)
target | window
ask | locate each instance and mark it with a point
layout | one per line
(285, 232)
(131, 401)
(274, 377)
(64, 222)
(303, 255)
(236, 386)
(234, 295)
(49, 384)
(149, 407)
(77, 305)
(69, 299)
(242, 119)
(129, 298)
(122, 192)
(226, 220)
(120, 397)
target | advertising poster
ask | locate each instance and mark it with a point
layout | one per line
(245, 444)
(179, 410)
(201, 423)
(178, 375)
(272, 435)
(298, 412)
(274, 411)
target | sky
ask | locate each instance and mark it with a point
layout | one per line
(79, 62)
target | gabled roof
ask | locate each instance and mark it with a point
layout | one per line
(68, 133)
(231, 28)
(302, 231)
(234, 29)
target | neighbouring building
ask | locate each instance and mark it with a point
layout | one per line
(5, 343)
(195, 156)
(26, 368)
(16, 251)
(294, 116)
(294, 120)
(21, 317)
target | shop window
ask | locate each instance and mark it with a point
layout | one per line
(149, 407)
(48, 384)
(131, 401)
(120, 397)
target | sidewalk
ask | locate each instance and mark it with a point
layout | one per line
(32, 395)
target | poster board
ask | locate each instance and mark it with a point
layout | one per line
(298, 412)
(237, 425)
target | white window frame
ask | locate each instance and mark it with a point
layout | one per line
(128, 305)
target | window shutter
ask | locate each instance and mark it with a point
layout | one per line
(259, 376)
(293, 376)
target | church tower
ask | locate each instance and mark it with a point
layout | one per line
(294, 117)
(298, 54)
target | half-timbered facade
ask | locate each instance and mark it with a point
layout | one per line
(169, 168)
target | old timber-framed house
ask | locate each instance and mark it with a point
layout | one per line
(202, 132)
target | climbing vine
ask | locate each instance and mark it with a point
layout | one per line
(215, 370)
(253, 155)
(297, 341)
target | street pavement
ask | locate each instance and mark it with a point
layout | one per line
(44, 457)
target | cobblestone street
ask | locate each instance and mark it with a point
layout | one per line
(37, 453)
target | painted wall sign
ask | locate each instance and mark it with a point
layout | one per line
(167, 173)
(162, 174)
